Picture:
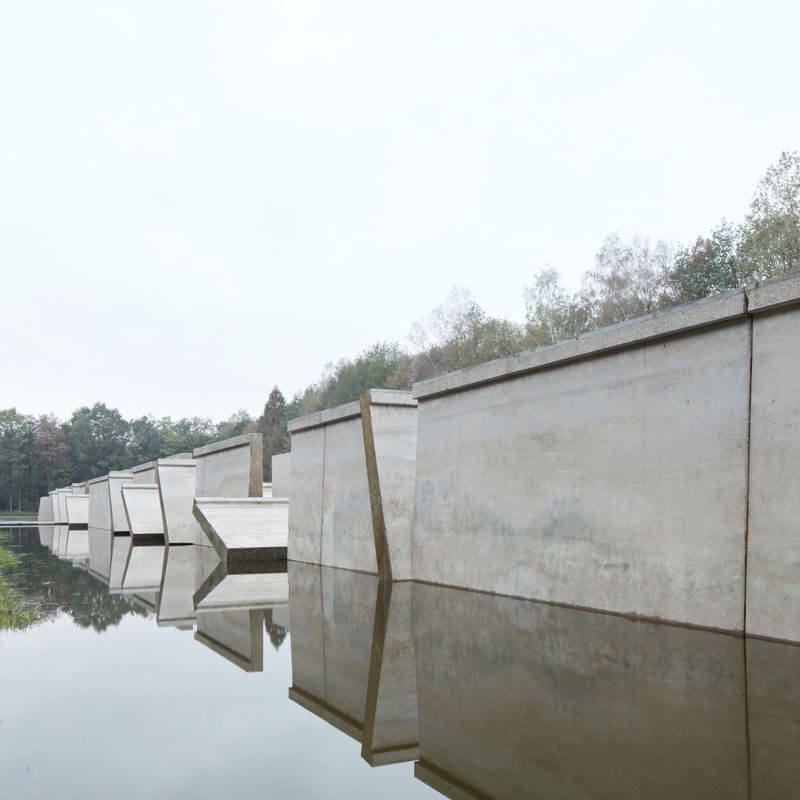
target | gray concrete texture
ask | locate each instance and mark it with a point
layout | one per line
(77, 506)
(235, 634)
(281, 474)
(143, 509)
(520, 699)
(352, 485)
(611, 471)
(176, 480)
(231, 468)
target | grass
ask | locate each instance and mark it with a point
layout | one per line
(16, 514)
(16, 613)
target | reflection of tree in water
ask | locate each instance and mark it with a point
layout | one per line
(276, 633)
(43, 585)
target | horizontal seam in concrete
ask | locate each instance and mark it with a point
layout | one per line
(226, 444)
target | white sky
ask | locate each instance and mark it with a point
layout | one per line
(200, 200)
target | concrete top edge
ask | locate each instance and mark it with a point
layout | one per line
(143, 467)
(773, 293)
(175, 462)
(669, 322)
(326, 417)
(115, 474)
(225, 444)
(236, 501)
(391, 397)
(138, 486)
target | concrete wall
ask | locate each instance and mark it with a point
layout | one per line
(611, 471)
(231, 468)
(143, 509)
(281, 474)
(176, 480)
(59, 497)
(77, 510)
(352, 485)
(99, 504)
(45, 514)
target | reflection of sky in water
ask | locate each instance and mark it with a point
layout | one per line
(496, 697)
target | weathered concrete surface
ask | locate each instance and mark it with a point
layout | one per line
(231, 468)
(235, 634)
(353, 658)
(352, 484)
(281, 474)
(773, 562)
(106, 509)
(45, 515)
(77, 510)
(245, 529)
(521, 699)
(616, 482)
(185, 568)
(176, 485)
(143, 509)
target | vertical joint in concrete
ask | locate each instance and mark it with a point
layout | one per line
(382, 555)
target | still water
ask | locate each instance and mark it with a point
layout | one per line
(153, 672)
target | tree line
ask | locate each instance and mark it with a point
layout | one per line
(628, 278)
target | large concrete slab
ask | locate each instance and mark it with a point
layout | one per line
(143, 509)
(281, 474)
(77, 510)
(352, 484)
(245, 529)
(176, 480)
(521, 699)
(615, 481)
(231, 468)
(45, 515)
(46, 535)
(773, 562)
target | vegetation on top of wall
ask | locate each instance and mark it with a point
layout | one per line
(628, 278)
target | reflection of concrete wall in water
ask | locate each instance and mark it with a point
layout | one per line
(353, 658)
(519, 699)
(352, 485)
(235, 634)
(281, 474)
(231, 468)
(611, 471)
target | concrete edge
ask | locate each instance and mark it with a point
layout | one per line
(226, 444)
(352, 410)
(773, 293)
(709, 311)
(235, 501)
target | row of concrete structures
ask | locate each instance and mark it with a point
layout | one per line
(214, 496)
(648, 469)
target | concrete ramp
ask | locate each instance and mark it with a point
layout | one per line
(45, 515)
(106, 509)
(143, 509)
(176, 478)
(245, 529)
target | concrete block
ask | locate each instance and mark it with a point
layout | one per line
(281, 474)
(185, 568)
(520, 699)
(616, 482)
(245, 529)
(45, 515)
(106, 509)
(235, 634)
(352, 483)
(774, 293)
(231, 468)
(77, 510)
(143, 509)
(176, 480)
(773, 562)
(144, 473)
(353, 661)
(120, 553)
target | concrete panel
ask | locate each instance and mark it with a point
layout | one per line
(305, 509)
(77, 510)
(143, 509)
(773, 562)
(773, 704)
(281, 474)
(237, 635)
(183, 567)
(144, 473)
(60, 505)
(99, 504)
(521, 699)
(45, 515)
(231, 468)
(120, 552)
(367, 452)
(116, 480)
(245, 529)
(176, 480)
(615, 482)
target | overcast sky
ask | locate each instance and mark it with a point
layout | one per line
(201, 200)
